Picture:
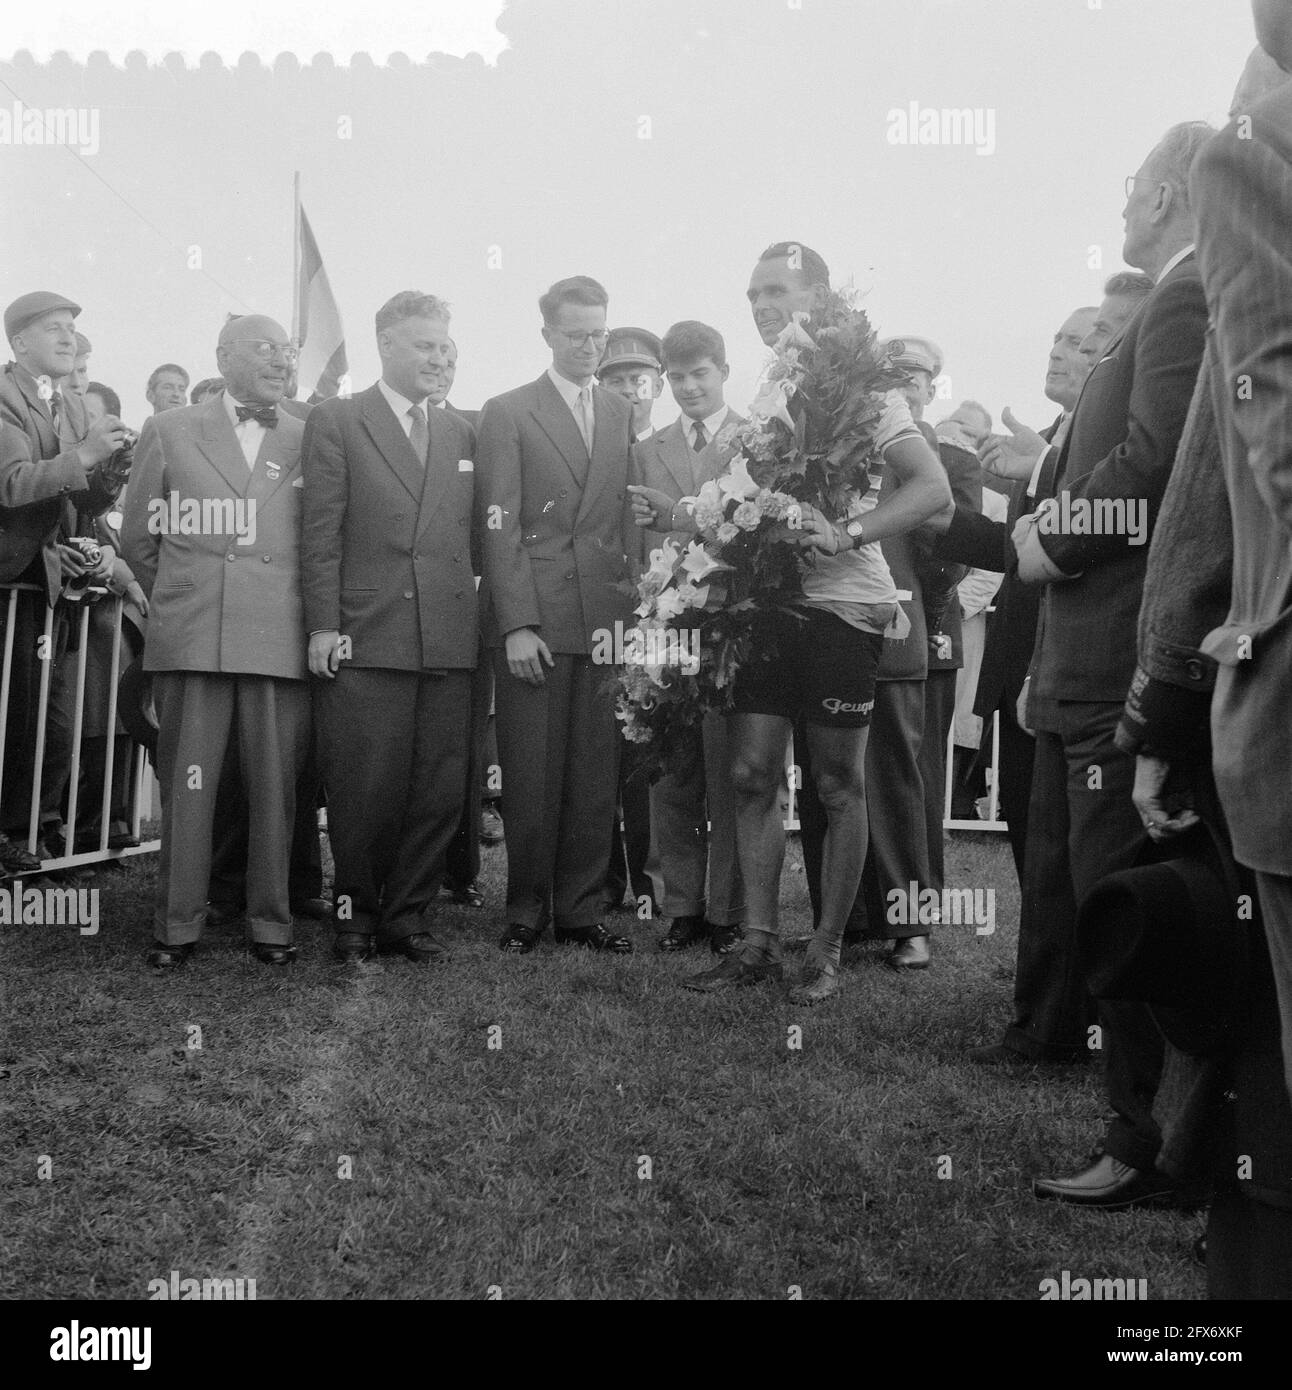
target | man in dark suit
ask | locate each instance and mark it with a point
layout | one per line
(212, 533)
(1088, 545)
(554, 459)
(692, 811)
(53, 463)
(1242, 187)
(390, 605)
(1051, 1004)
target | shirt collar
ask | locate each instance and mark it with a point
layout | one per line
(569, 391)
(401, 405)
(231, 410)
(711, 426)
(1173, 262)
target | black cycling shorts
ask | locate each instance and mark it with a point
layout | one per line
(822, 669)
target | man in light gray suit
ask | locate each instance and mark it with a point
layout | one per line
(677, 461)
(212, 533)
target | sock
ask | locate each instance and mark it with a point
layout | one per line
(761, 947)
(825, 950)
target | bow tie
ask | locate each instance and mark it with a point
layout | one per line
(266, 415)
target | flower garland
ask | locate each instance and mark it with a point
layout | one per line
(809, 437)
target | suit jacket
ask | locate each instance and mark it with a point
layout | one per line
(663, 460)
(1241, 186)
(1186, 593)
(218, 604)
(938, 578)
(558, 528)
(929, 582)
(386, 546)
(472, 417)
(1121, 444)
(42, 481)
(975, 539)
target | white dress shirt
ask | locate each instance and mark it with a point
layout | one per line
(250, 433)
(1173, 262)
(401, 405)
(570, 395)
(711, 426)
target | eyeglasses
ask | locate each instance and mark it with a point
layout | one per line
(265, 350)
(1133, 179)
(577, 340)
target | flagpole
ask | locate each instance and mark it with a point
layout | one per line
(296, 258)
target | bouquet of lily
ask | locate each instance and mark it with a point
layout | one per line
(809, 439)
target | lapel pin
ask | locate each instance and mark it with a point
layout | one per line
(272, 471)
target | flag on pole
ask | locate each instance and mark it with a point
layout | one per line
(319, 334)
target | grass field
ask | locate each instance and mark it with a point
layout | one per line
(522, 1168)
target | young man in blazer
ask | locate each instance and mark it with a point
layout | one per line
(554, 460)
(212, 533)
(390, 603)
(677, 461)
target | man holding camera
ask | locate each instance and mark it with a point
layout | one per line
(53, 465)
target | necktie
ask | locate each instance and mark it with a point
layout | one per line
(418, 436)
(56, 411)
(583, 417)
(699, 441)
(266, 415)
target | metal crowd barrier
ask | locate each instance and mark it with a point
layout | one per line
(69, 857)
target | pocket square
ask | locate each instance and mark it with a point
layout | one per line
(466, 466)
(298, 482)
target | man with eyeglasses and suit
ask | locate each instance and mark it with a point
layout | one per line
(554, 461)
(226, 631)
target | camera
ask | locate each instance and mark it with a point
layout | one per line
(117, 468)
(91, 552)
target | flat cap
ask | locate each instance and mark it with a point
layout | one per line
(631, 345)
(915, 354)
(33, 306)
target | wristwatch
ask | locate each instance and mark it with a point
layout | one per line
(853, 528)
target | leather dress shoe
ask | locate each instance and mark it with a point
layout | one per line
(317, 909)
(734, 972)
(519, 940)
(466, 895)
(911, 953)
(491, 831)
(724, 940)
(164, 957)
(1108, 1183)
(421, 947)
(684, 932)
(595, 938)
(221, 914)
(271, 953)
(16, 859)
(123, 839)
(352, 945)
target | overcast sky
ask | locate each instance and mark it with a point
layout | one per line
(656, 146)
